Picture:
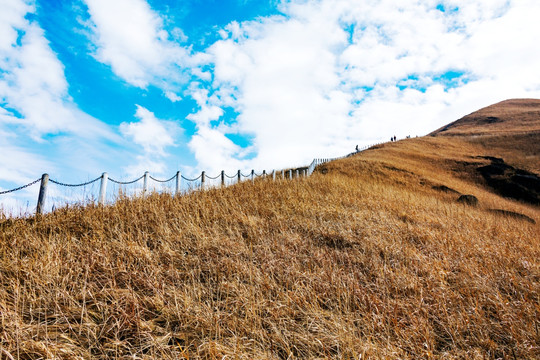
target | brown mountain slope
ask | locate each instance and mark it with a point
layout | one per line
(509, 130)
(496, 148)
(369, 258)
(449, 162)
(507, 117)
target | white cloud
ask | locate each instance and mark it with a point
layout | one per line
(207, 112)
(319, 79)
(215, 152)
(11, 18)
(172, 96)
(288, 86)
(20, 166)
(38, 118)
(152, 134)
(33, 84)
(130, 37)
(324, 77)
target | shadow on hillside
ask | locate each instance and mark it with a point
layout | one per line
(511, 182)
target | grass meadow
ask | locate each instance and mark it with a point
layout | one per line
(362, 260)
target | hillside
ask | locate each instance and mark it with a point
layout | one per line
(508, 117)
(371, 257)
(510, 129)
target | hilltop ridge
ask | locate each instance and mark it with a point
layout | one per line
(509, 116)
(509, 130)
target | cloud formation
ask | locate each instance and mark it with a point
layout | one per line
(37, 114)
(328, 74)
(331, 74)
(32, 84)
(130, 37)
(153, 135)
(276, 91)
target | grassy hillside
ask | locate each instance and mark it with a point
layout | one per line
(510, 129)
(367, 258)
(505, 117)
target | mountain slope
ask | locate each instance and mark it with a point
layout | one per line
(508, 117)
(371, 257)
(509, 129)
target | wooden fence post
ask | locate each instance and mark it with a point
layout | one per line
(145, 183)
(297, 173)
(222, 178)
(264, 174)
(103, 188)
(273, 175)
(202, 180)
(290, 174)
(42, 194)
(252, 175)
(178, 182)
(239, 177)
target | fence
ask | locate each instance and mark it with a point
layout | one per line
(203, 181)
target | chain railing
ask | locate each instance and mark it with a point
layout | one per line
(20, 187)
(178, 177)
(76, 185)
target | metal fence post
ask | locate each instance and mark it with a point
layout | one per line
(290, 174)
(273, 175)
(178, 182)
(42, 194)
(103, 188)
(297, 173)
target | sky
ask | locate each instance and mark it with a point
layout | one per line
(127, 86)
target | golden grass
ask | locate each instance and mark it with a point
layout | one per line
(366, 261)
(510, 129)
(505, 117)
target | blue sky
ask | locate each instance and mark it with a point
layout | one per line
(125, 86)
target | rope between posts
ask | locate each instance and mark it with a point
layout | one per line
(125, 182)
(161, 181)
(185, 178)
(212, 178)
(20, 187)
(75, 185)
(231, 177)
(248, 175)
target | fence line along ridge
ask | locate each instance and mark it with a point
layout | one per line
(285, 174)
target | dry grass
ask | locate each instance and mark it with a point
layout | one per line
(366, 261)
(509, 116)
(510, 129)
